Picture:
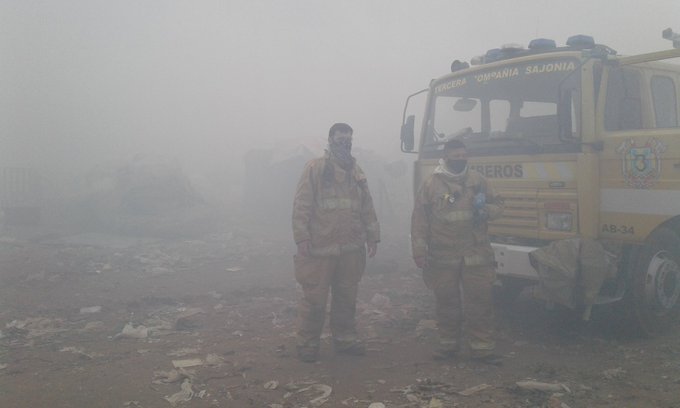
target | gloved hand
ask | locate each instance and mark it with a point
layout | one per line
(481, 214)
(421, 262)
(372, 247)
(303, 248)
(479, 201)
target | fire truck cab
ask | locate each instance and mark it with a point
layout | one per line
(583, 145)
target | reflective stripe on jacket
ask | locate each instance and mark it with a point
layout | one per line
(333, 208)
(443, 225)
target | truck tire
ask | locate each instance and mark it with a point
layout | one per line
(656, 283)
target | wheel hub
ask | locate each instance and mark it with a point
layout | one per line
(662, 284)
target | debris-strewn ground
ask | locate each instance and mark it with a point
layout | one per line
(107, 321)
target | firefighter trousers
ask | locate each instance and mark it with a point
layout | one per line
(464, 306)
(320, 275)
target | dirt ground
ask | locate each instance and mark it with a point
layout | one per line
(95, 320)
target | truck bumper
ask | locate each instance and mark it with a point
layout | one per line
(513, 261)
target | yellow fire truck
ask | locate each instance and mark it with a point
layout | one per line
(583, 145)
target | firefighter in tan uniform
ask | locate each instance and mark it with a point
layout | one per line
(450, 244)
(333, 223)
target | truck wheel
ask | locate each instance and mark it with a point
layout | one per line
(656, 282)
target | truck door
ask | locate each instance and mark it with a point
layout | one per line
(640, 165)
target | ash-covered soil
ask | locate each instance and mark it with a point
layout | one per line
(95, 320)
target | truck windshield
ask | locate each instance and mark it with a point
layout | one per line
(504, 110)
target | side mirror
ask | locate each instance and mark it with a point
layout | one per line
(407, 134)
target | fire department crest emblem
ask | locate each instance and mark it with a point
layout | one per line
(641, 165)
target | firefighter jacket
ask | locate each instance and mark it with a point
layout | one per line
(333, 208)
(445, 226)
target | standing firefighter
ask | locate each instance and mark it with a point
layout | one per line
(450, 243)
(333, 223)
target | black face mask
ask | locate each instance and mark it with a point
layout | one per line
(456, 166)
(342, 150)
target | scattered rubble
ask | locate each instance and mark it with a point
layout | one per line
(473, 390)
(132, 332)
(80, 352)
(171, 376)
(90, 310)
(185, 394)
(318, 393)
(613, 373)
(226, 343)
(531, 385)
(190, 319)
(271, 385)
(191, 362)
(35, 327)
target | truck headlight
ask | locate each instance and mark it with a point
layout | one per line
(559, 221)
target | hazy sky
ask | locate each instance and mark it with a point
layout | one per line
(205, 80)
